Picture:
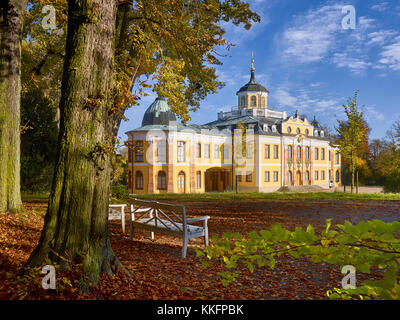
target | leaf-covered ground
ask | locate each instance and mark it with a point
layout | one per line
(158, 271)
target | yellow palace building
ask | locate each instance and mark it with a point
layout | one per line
(251, 148)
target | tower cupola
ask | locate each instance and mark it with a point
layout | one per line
(252, 95)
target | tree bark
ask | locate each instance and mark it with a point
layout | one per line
(76, 223)
(11, 14)
(357, 182)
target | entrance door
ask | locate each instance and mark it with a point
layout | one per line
(298, 178)
(181, 182)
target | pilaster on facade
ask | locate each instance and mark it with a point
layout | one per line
(170, 157)
(312, 165)
(150, 161)
(192, 170)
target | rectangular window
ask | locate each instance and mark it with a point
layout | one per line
(207, 151)
(266, 176)
(307, 153)
(216, 151)
(276, 152)
(226, 151)
(316, 175)
(198, 179)
(337, 157)
(161, 151)
(322, 153)
(249, 151)
(239, 176)
(139, 151)
(276, 176)
(198, 150)
(249, 176)
(267, 150)
(322, 175)
(316, 153)
(330, 155)
(181, 151)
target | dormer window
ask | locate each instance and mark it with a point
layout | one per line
(315, 133)
(265, 128)
(322, 133)
(274, 128)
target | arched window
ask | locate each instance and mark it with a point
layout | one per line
(289, 130)
(337, 176)
(243, 101)
(263, 102)
(298, 131)
(253, 101)
(161, 180)
(307, 153)
(307, 176)
(298, 152)
(139, 180)
(290, 152)
(290, 177)
(307, 132)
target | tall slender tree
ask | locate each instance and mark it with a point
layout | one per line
(11, 19)
(351, 136)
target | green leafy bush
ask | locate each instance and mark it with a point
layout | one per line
(369, 244)
(120, 192)
(392, 183)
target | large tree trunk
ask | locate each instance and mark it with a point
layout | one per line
(76, 223)
(11, 12)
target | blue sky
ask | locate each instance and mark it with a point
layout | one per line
(308, 62)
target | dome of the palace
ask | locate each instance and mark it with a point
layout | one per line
(159, 113)
(253, 85)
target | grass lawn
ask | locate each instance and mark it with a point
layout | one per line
(245, 196)
(35, 197)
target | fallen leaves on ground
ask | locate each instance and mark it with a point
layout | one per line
(158, 271)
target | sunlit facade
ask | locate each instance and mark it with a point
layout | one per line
(251, 148)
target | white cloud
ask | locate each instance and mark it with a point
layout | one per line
(313, 35)
(372, 114)
(380, 37)
(305, 101)
(356, 65)
(285, 99)
(390, 55)
(317, 36)
(381, 7)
